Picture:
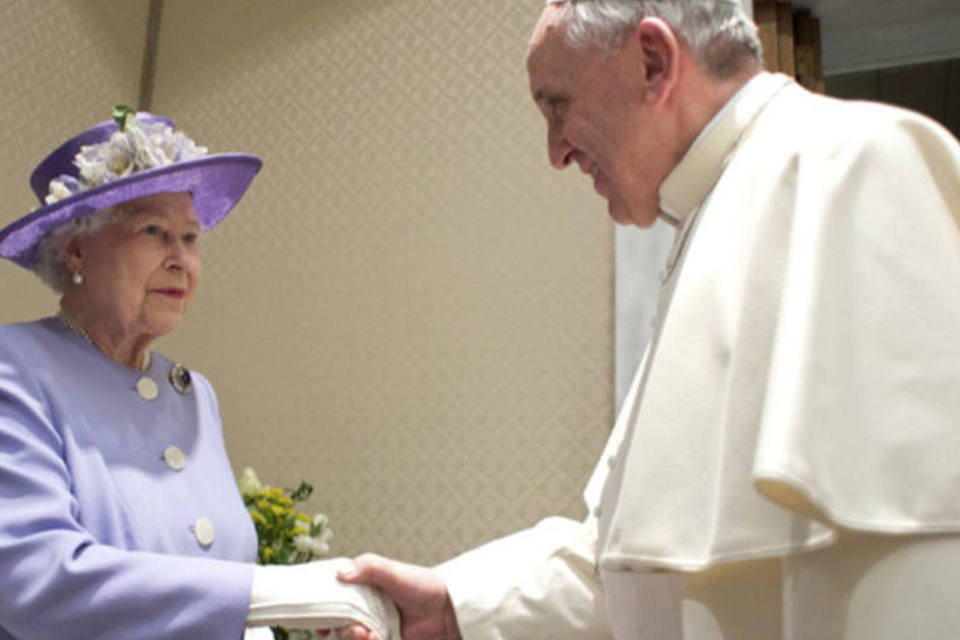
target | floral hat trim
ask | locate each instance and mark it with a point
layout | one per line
(137, 146)
(121, 159)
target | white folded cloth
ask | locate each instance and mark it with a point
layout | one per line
(309, 596)
(258, 633)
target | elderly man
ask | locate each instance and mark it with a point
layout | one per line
(785, 463)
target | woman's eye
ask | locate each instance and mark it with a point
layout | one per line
(190, 238)
(152, 230)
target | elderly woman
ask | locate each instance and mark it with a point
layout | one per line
(122, 517)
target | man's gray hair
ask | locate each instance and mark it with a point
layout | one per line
(49, 263)
(719, 32)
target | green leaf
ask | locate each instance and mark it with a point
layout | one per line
(302, 493)
(120, 113)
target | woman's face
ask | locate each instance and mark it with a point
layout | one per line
(141, 271)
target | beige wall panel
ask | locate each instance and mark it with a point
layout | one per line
(65, 64)
(411, 309)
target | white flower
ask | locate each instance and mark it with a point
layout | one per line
(249, 483)
(140, 146)
(146, 154)
(322, 531)
(62, 187)
(311, 546)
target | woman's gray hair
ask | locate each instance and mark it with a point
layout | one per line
(720, 34)
(49, 263)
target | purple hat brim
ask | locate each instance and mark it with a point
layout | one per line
(216, 182)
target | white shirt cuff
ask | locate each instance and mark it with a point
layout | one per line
(309, 596)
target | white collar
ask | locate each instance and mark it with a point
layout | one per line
(685, 189)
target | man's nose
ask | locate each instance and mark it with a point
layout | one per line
(558, 149)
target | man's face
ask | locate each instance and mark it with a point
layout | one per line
(599, 118)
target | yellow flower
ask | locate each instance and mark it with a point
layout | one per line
(285, 535)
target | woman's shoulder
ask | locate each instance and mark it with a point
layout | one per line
(28, 353)
(29, 326)
(26, 336)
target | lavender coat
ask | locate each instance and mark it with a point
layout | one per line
(98, 531)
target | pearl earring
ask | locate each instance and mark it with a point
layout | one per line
(78, 278)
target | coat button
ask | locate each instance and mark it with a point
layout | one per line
(174, 458)
(203, 531)
(147, 388)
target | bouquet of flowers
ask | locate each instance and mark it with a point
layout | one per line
(285, 535)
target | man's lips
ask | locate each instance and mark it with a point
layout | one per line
(591, 170)
(597, 180)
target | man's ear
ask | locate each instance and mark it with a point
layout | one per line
(661, 55)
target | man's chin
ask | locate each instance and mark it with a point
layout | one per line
(621, 215)
(618, 213)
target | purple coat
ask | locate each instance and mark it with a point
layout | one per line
(101, 535)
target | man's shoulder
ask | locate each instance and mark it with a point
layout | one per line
(824, 119)
(800, 125)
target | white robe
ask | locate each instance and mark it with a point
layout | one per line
(786, 459)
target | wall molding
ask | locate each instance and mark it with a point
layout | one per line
(150, 47)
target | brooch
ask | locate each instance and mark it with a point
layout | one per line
(180, 378)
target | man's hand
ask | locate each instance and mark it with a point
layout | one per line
(426, 612)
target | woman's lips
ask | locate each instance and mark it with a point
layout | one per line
(172, 293)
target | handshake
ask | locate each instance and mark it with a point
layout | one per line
(359, 599)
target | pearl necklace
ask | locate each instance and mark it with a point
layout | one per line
(69, 323)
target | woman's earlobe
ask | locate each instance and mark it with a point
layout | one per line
(72, 254)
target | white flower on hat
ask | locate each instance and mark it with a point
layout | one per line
(63, 187)
(138, 146)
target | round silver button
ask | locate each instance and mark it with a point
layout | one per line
(174, 458)
(204, 532)
(147, 388)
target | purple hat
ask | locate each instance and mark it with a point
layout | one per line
(109, 164)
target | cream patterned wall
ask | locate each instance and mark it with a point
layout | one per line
(65, 64)
(410, 309)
